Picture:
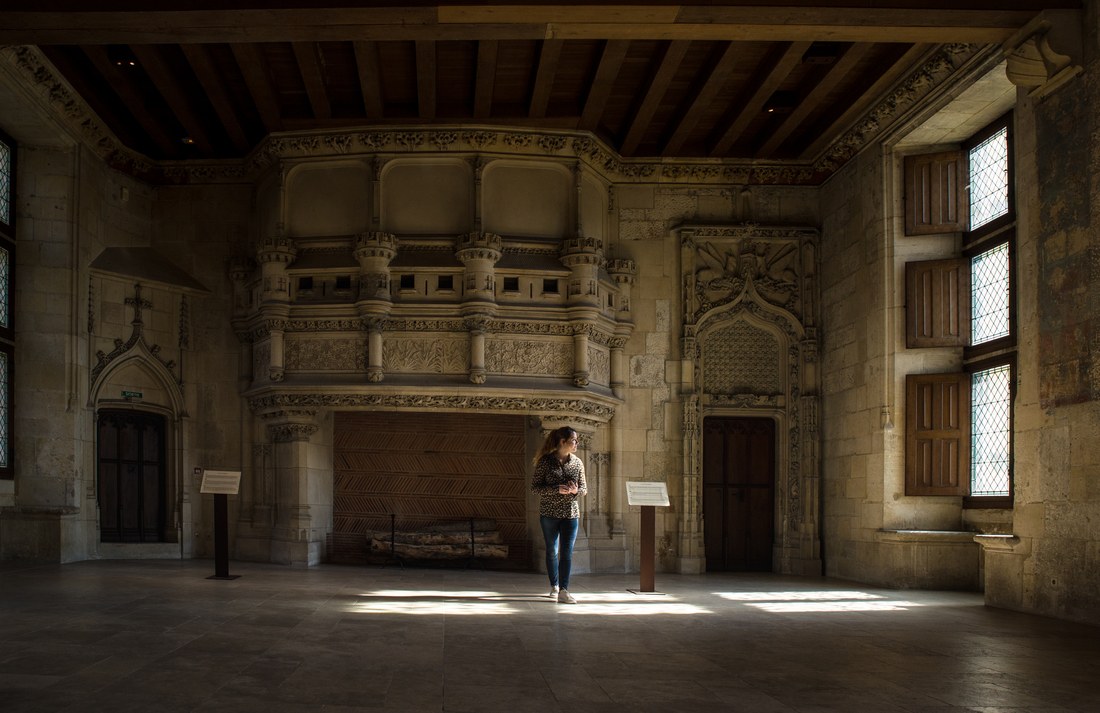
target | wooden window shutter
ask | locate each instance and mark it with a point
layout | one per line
(937, 303)
(937, 434)
(935, 195)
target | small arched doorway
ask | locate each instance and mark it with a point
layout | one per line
(132, 476)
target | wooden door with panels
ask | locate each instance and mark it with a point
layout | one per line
(131, 476)
(739, 493)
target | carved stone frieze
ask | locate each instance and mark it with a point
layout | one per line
(529, 357)
(325, 354)
(577, 407)
(426, 355)
(599, 365)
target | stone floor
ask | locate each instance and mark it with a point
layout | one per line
(161, 636)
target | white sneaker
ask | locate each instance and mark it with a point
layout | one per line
(553, 592)
(564, 597)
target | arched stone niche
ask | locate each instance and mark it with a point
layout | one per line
(749, 349)
(427, 196)
(328, 198)
(527, 199)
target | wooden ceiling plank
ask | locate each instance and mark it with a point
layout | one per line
(790, 58)
(549, 55)
(611, 59)
(134, 101)
(169, 88)
(212, 84)
(719, 75)
(670, 62)
(425, 78)
(811, 102)
(370, 78)
(486, 78)
(711, 22)
(254, 70)
(309, 64)
(874, 93)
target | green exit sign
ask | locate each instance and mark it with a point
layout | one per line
(131, 394)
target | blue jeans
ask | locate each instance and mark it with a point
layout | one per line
(559, 559)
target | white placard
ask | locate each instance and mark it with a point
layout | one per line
(221, 482)
(644, 492)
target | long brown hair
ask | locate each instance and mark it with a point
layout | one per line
(553, 442)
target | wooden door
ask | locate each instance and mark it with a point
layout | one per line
(131, 473)
(739, 493)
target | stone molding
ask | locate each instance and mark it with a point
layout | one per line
(58, 97)
(581, 408)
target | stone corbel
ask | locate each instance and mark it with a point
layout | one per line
(1046, 53)
(292, 425)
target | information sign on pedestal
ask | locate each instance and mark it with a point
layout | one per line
(647, 495)
(221, 484)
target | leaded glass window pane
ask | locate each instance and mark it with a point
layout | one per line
(5, 446)
(991, 431)
(989, 295)
(5, 183)
(989, 179)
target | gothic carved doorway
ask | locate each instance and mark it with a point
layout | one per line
(131, 471)
(739, 493)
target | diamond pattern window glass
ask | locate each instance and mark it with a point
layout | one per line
(989, 179)
(5, 446)
(989, 295)
(5, 183)
(991, 431)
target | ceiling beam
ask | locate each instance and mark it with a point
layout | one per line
(425, 79)
(719, 75)
(486, 78)
(168, 87)
(254, 69)
(611, 59)
(549, 55)
(871, 95)
(309, 65)
(212, 84)
(670, 62)
(511, 21)
(134, 101)
(370, 78)
(752, 107)
(813, 100)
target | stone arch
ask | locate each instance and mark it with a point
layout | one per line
(748, 301)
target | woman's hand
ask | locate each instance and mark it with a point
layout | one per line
(568, 489)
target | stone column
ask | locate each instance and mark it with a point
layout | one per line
(479, 253)
(374, 251)
(274, 255)
(295, 536)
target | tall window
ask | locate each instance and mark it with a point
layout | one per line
(959, 426)
(7, 282)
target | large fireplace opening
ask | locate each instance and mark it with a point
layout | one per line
(437, 489)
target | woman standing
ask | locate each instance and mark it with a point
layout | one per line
(559, 481)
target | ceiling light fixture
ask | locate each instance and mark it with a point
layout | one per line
(781, 102)
(121, 56)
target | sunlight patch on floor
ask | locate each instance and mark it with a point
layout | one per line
(479, 603)
(818, 602)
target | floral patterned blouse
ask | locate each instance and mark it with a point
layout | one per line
(549, 474)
